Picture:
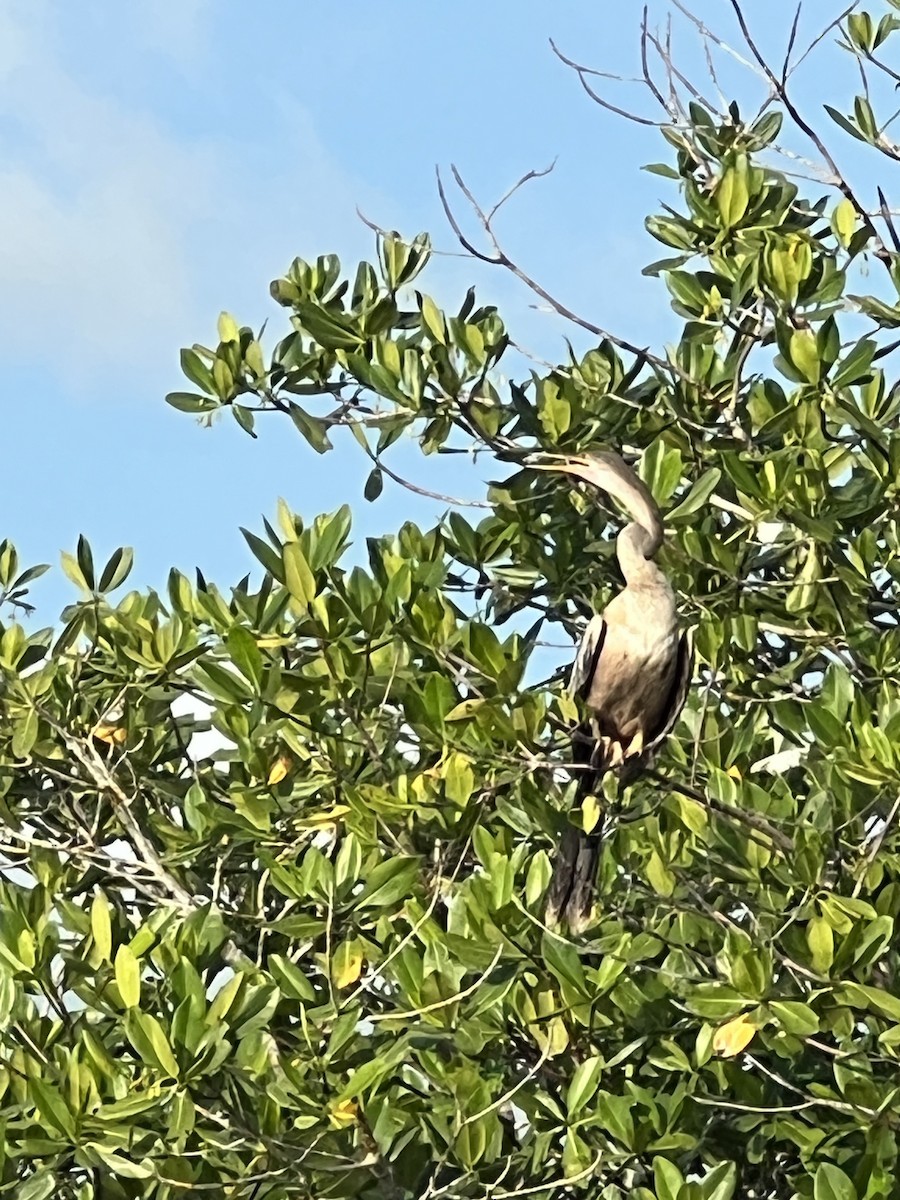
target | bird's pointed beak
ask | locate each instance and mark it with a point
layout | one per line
(541, 461)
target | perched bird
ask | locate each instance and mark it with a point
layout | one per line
(631, 674)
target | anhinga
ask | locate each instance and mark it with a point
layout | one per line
(631, 673)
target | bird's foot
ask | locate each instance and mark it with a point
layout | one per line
(636, 745)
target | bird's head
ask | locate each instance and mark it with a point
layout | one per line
(610, 473)
(603, 468)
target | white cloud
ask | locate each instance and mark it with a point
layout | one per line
(121, 238)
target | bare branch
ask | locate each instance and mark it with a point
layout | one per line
(420, 491)
(500, 258)
(822, 34)
(581, 72)
(888, 219)
(750, 819)
(645, 68)
(781, 92)
(535, 173)
(792, 38)
(706, 32)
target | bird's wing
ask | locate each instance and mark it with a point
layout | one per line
(585, 665)
(684, 668)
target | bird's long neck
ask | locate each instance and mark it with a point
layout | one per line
(635, 547)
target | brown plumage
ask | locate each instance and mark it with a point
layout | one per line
(631, 674)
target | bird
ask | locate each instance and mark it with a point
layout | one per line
(631, 674)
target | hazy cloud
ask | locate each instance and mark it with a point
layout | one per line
(120, 238)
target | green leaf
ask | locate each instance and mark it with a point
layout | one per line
(696, 497)
(25, 732)
(843, 222)
(659, 876)
(367, 1076)
(269, 557)
(795, 1016)
(197, 371)
(855, 366)
(459, 779)
(330, 330)
(844, 123)
(190, 402)
(831, 1183)
(388, 882)
(820, 939)
(720, 1183)
(298, 578)
(74, 572)
(53, 1107)
(117, 569)
(38, 1186)
(667, 1179)
(661, 469)
(86, 562)
(804, 354)
(563, 960)
(374, 484)
(313, 429)
(244, 418)
(433, 320)
(584, 1084)
(148, 1038)
(245, 654)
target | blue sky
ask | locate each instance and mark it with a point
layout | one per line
(164, 160)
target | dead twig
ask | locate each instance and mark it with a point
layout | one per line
(499, 257)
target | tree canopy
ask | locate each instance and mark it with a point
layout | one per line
(314, 963)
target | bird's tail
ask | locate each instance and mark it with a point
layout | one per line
(571, 893)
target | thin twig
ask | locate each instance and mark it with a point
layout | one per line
(822, 34)
(792, 38)
(500, 258)
(880, 252)
(581, 72)
(420, 491)
(750, 819)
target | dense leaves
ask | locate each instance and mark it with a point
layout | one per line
(307, 956)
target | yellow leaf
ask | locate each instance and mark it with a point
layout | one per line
(280, 768)
(101, 925)
(434, 320)
(228, 328)
(298, 578)
(820, 939)
(734, 1036)
(459, 778)
(343, 1113)
(320, 820)
(464, 709)
(843, 222)
(694, 815)
(804, 354)
(113, 734)
(128, 977)
(734, 773)
(347, 964)
(590, 813)
(659, 876)
(732, 192)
